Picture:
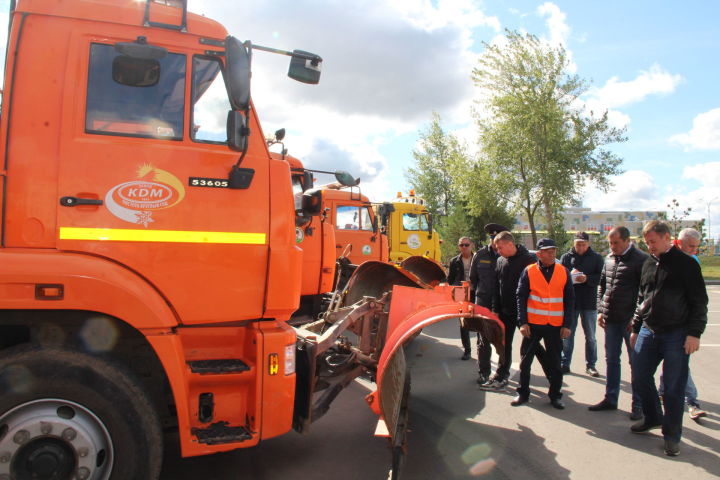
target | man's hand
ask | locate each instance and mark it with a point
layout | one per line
(633, 339)
(525, 330)
(692, 344)
(564, 333)
(601, 320)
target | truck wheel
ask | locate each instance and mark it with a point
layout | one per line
(67, 415)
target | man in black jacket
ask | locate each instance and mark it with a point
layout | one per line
(585, 268)
(669, 320)
(459, 271)
(617, 298)
(510, 265)
(484, 285)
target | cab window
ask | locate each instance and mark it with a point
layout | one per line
(415, 222)
(133, 97)
(347, 218)
(365, 220)
(210, 101)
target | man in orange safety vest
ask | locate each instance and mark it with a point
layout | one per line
(545, 299)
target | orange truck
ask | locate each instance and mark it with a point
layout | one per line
(149, 262)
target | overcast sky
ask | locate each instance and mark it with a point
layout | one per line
(388, 64)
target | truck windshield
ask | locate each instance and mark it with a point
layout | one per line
(415, 222)
(154, 111)
(210, 101)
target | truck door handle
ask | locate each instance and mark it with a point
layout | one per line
(75, 201)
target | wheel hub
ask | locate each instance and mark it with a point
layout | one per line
(51, 439)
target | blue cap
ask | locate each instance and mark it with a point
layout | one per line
(545, 243)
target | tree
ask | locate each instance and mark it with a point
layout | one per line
(679, 215)
(442, 165)
(439, 155)
(538, 149)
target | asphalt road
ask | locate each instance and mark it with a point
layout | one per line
(459, 431)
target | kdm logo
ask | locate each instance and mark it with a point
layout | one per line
(135, 201)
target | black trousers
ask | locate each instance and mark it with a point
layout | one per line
(503, 370)
(553, 343)
(484, 350)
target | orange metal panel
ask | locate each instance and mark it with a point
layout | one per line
(278, 391)
(89, 283)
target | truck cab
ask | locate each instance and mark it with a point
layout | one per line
(408, 225)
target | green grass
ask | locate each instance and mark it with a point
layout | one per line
(710, 267)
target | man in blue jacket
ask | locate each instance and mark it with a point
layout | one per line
(585, 267)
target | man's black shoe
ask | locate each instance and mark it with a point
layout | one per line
(604, 405)
(642, 427)
(672, 449)
(557, 403)
(466, 356)
(519, 400)
(565, 368)
(636, 413)
(592, 372)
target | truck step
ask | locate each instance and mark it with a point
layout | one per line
(215, 367)
(220, 432)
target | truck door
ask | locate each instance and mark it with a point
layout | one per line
(353, 226)
(143, 177)
(414, 231)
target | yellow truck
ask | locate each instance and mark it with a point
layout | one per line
(409, 227)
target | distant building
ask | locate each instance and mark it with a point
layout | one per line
(580, 219)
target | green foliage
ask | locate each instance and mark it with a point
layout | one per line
(538, 148)
(710, 267)
(442, 168)
(437, 160)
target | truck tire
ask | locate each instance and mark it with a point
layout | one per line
(65, 414)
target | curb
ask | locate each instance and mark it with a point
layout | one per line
(712, 282)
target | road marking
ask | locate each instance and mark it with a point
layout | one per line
(710, 344)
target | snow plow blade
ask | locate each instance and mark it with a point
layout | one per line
(384, 306)
(410, 311)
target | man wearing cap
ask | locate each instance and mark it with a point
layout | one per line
(585, 268)
(459, 271)
(545, 300)
(484, 285)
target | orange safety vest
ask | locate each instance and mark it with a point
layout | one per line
(545, 304)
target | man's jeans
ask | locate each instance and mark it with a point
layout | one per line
(615, 335)
(691, 392)
(651, 349)
(589, 319)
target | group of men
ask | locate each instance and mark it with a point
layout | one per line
(655, 304)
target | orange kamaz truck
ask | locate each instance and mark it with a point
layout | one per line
(149, 255)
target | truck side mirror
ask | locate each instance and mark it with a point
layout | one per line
(237, 131)
(238, 70)
(346, 179)
(307, 180)
(430, 225)
(305, 67)
(375, 225)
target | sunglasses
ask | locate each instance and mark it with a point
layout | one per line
(463, 244)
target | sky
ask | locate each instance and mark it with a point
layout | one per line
(388, 64)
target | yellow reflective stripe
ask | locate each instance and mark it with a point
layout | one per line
(175, 236)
